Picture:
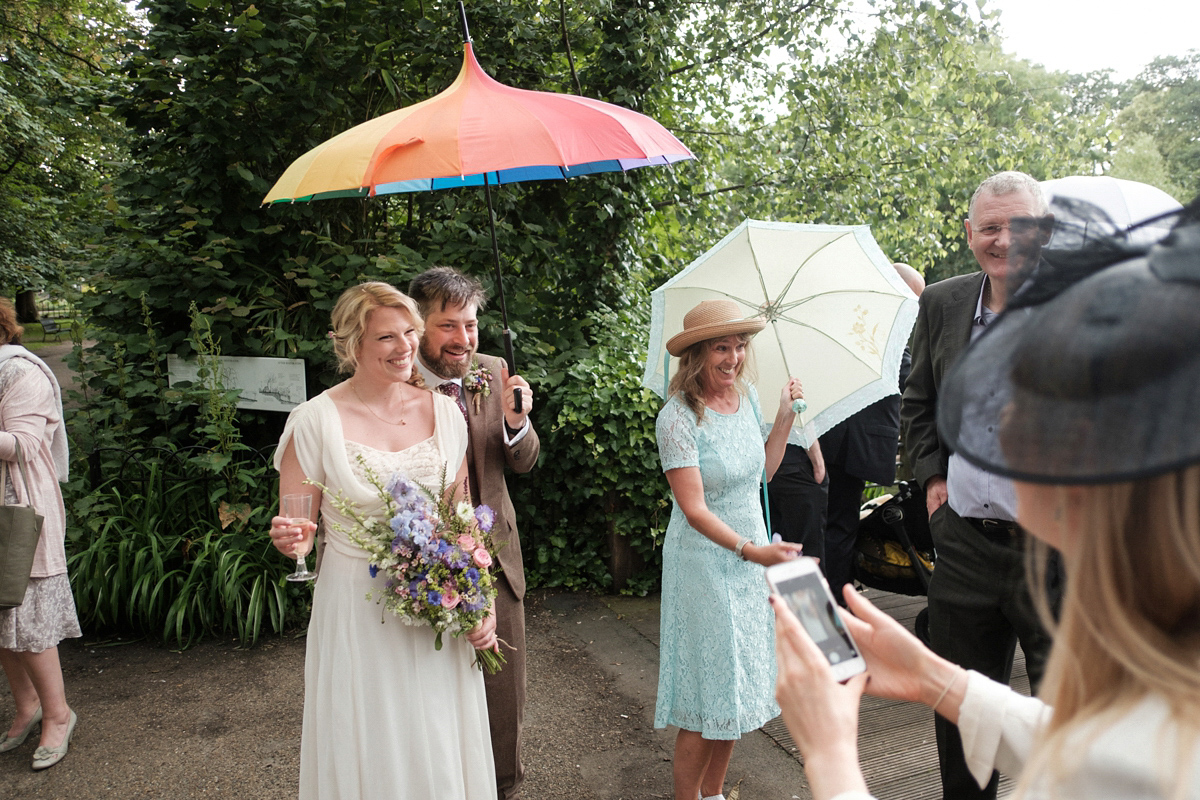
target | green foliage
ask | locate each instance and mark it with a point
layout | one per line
(1160, 127)
(1138, 158)
(895, 131)
(603, 444)
(56, 142)
(154, 556)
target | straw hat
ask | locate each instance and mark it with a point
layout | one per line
(712, 319)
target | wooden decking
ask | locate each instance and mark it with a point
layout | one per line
(896, 742)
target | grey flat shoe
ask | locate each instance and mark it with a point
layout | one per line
(13, 742)
(46, 757)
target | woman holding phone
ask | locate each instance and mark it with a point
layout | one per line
(1095, 380)
(715, 667)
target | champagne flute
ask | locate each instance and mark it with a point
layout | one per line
(298, 508)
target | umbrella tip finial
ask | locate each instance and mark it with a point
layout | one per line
(462, 10)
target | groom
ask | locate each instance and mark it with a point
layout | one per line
(498, 435)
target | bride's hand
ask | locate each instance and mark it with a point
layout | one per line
(286, 535)
(483, 635)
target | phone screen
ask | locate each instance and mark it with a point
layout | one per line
(808, 599)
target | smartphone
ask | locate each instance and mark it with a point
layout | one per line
(801, 585)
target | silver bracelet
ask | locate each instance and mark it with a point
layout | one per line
(741, 545)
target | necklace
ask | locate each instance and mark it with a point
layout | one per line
(354, 389)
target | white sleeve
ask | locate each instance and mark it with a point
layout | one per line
(306, 429)
(998, 727)
(451, 432)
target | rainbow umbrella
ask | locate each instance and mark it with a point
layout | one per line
(478, 132)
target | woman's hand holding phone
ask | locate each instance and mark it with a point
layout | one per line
(800, 585)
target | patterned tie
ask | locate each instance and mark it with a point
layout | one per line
(453, 390)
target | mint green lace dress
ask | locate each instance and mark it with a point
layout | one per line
(717, 636)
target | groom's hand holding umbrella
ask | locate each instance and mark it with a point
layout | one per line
(518, 400)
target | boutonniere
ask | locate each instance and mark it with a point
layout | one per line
(477, 381)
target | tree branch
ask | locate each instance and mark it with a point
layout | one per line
(57, 48)
(733, 47)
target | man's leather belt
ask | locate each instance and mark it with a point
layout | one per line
(998, 530)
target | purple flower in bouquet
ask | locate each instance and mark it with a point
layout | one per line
(404, 491)
(435, 597)
(459, 559)
(485, 517)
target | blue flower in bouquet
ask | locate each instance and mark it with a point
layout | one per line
(434, 552)
(414, 524)
(485, 517)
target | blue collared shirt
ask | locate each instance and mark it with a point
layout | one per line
(972, 491)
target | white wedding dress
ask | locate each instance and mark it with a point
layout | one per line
(385, 714)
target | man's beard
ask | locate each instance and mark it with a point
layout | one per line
(444, 368)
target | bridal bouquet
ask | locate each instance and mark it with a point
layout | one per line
(436, 558)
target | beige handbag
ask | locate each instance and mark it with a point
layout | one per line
(20, 529)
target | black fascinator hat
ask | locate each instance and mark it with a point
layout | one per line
(1092, 373)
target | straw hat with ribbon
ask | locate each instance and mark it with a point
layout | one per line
(712, 319)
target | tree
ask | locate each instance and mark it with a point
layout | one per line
(56, 60)
(897, 131)
(1164, 112)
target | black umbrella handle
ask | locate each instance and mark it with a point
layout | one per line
(512, 367)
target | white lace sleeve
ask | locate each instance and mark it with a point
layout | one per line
(676, 432)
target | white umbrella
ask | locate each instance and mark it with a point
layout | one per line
(839, 314)
(1124, 202)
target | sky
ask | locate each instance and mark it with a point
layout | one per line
(1085, 35)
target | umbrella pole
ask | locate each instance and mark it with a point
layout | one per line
(508, 347)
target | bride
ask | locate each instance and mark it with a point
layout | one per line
(385, 714)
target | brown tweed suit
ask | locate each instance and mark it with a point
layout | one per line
(487, 456)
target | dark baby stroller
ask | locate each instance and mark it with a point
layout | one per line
(893, 548)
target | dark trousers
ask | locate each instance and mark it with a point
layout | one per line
(506, 694)
(798, 502)
(979, 607)
(841, 527)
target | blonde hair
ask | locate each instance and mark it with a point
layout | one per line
(350, 313)
(1130, 620)
(688, 380)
